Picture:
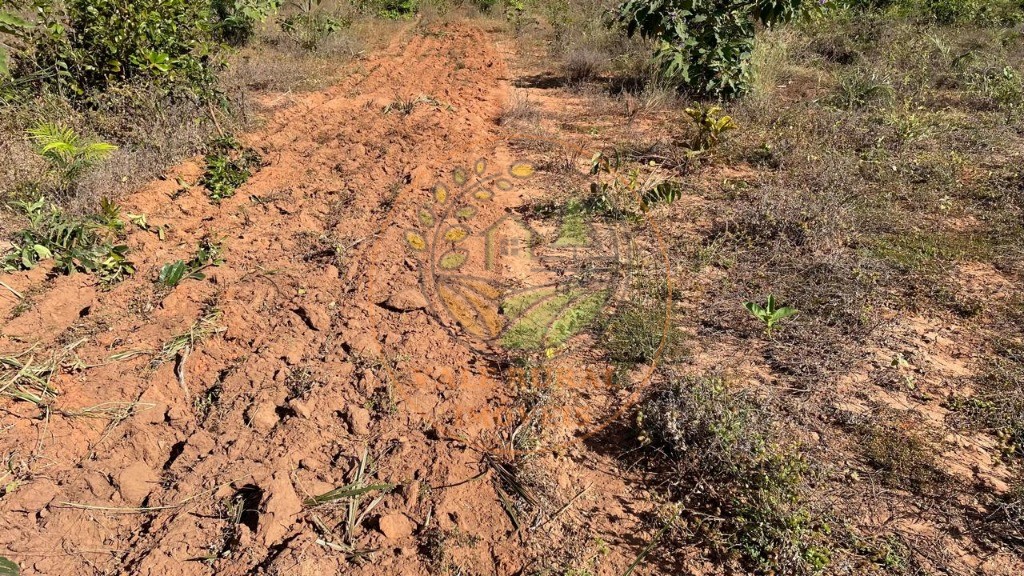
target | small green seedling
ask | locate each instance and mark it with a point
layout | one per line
(65, 151)
(770, 314)
(711, 126)
(172, 273)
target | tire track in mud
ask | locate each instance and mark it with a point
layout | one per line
(303, 345)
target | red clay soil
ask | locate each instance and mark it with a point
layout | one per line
(312, 360)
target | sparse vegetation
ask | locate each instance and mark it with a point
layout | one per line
(208, 254)
(639, 332)
(73, 244)
(228, 166)
(738, 486)
(863, 164)
(905, 460)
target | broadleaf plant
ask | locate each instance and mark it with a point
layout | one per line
(771, 314)
(706, 45)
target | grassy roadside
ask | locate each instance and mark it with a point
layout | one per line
(874, 184)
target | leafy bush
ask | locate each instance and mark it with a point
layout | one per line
(989, 12)
(711, 126)
(83, 47)
(74, 244)
(228, 166)
(705, 45)
(15, 27)
(739, 490)
(236, 20)
(92, 44)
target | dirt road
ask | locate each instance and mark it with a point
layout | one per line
(190, 425)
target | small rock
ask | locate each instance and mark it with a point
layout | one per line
(406, 300)
(263, 416)
(359, 420)
(300, 408)
(367, 383)
(136, 482)
(178, 413)
(317, 318)
(365, 345)
(421, 177)
(443, 374)
(280, 507)
(395, 526)
(294, 353)
(994, 485)
(412, 494)
(34, 496)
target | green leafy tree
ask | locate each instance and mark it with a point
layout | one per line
(705, 45)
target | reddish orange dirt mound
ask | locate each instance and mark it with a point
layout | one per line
(191, 425)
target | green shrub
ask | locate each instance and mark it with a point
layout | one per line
(228, 166)
(235, 20)
(90, 45)
(705, 45)
(987, 12)
(83, 47)
(74, 244)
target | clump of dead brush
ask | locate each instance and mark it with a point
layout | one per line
(180, 346)
(738, 490)
(904, 459)
(27, 375)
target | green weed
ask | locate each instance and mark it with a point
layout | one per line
(74, 244)
(711, 126)
(208, 254)
(771, 314)
(228, 166)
